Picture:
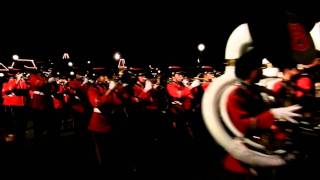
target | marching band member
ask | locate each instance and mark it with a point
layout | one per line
(145, 115)
(59, 99)
(208, 76)
(14, 93)
(299, 87)
(40, 105)
(249, 113)
(79, 106)
(181, 94)
(104, 100)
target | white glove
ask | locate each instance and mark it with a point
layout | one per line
(62, 81)
(147, 86)
(19, 76)
(195, 83)
(85, 81)
(51, 80)
(185, 82)
(286, 113)
(112, 85)
(155, 86)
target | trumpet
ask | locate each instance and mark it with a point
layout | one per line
(204, 78)
(23, 75)
(198, 78)
(201, 79)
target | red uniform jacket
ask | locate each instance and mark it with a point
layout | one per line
(59, 97)
(180, 94)
(138, 91)
(246, 110)
(140, 96)
(9, 97)
(75, 99)
(205, 85)
(305, 84)
(100, 121)
(38, 98)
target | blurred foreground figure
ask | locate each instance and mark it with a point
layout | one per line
(251, 115)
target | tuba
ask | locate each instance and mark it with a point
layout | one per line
(215, 114)
(218, 122)
(216, 118)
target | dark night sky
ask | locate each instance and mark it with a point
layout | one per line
(154, 33)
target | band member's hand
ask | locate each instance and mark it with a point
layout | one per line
(19, 76)
(135, 99)
(148, 86)
(174, 125)
(155, 86)
(195, 83)
(286, 113)
(85, 81)
(185, 82)
(112, 85)
(51, 80)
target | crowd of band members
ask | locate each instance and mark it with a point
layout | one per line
(128, 114)
(109, 113)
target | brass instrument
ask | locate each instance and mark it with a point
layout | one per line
(201, 79)
(220, 126)
(198, 78)
(317, 89)
(25, 75)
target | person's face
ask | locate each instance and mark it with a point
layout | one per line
(18, 74)
(255, 75)
(142, 79)
(102, 79)
(208, 76)
(178, 77)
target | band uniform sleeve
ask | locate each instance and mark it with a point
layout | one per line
(244, 119)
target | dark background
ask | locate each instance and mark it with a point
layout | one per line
(160, 33)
